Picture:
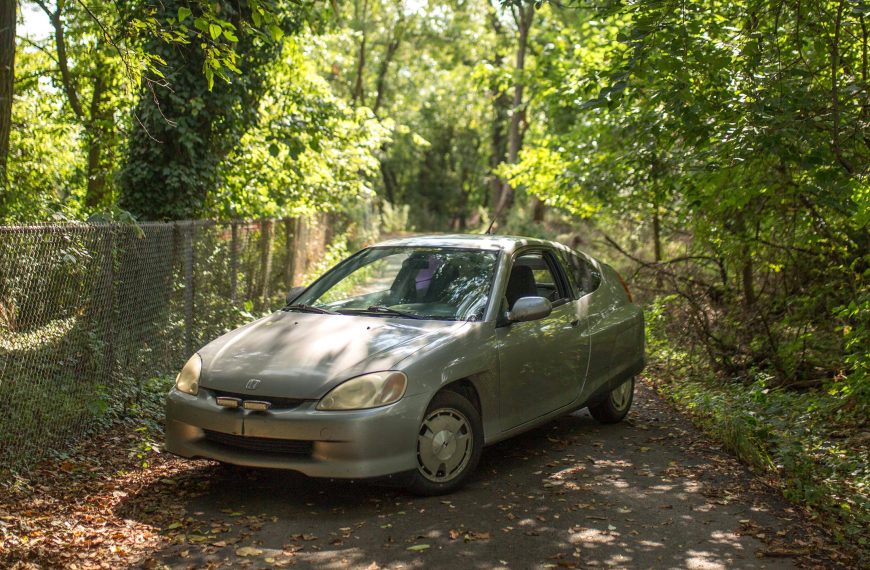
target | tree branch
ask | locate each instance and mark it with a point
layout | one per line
(63, 63)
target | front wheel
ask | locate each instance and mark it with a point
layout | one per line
(449, 444)
(616, 405)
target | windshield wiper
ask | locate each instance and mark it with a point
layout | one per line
(382, 310)
(309, 309)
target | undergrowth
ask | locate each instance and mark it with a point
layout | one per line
(815, 446)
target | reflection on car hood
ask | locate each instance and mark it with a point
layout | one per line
(301, 355)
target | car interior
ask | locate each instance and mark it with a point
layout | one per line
(531, 276)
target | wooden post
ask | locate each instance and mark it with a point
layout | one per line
(290, 251)
(266, 237)
(234, 261)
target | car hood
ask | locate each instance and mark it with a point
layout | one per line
(303, 355)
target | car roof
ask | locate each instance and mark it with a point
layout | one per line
(469, 241)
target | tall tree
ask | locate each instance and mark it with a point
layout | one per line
(188, 126)
(523, 13)
(7, 81)
(88, 105)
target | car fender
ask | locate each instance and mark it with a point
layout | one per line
(470, 354)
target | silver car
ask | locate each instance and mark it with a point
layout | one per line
(409, 357)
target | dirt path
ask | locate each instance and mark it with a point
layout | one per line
(647, 493)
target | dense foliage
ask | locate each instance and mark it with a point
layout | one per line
(187, 125)
(738, 136)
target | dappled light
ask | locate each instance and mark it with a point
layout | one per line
(571, 494)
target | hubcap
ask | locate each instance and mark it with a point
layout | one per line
(444, 445)
(621, 394)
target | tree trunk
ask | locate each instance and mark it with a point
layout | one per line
(657, 244)
(538, 209)
(835, 95)
(96, 188)
(7, 80)
(497, 137)
(63, 63)
(497, 140)
(358, 93)
(524, 16)
(383, 68)
(389, 177)
(745, 261)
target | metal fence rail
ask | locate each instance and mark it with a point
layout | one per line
(89, 312)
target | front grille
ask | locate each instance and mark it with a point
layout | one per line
(293, 447)
(277, 403)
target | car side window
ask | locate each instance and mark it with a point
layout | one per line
(562, 258)
(585, 275)
(532, 275)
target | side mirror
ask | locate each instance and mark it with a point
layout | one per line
(529, 309)
(293, 293)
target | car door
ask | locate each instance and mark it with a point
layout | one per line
(539, 362)
(594, 304)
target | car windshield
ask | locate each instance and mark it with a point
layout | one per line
(410, 282)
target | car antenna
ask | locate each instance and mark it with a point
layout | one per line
(499, 208)
(489, 229)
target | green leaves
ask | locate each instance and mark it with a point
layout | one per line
(275, 32)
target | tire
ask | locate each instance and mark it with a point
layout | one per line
(615, 406)
(449, 445)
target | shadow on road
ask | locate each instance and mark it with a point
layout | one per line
(647, 493)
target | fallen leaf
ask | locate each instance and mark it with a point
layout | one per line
(248, 551)
(419, 547)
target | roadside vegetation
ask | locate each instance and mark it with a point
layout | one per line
(716, 153)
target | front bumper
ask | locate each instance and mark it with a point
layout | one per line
(346, 444)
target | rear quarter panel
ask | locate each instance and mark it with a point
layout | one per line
(617, 329)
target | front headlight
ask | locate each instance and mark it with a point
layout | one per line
(368, 391)
(187, 380)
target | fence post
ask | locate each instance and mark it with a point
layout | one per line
(234, 261)
(290, 253)
(112, 307)
(266, 237)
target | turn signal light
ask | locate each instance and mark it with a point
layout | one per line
(228, 402)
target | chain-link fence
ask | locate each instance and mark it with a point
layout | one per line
(88, 312)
